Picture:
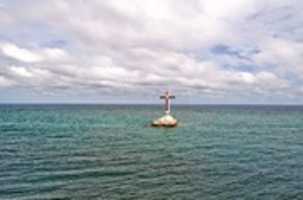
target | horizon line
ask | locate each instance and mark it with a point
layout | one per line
(156, 104)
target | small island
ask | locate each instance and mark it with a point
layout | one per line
(167, 120)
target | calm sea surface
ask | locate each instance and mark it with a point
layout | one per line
(110, 152)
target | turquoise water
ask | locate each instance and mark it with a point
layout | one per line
(110, 152)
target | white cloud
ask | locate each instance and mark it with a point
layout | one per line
(232, 9)
(20, 54)
(285, 54)
(4, 82)
(54, 54)
(33, 56)
(21, 71)
(158, 44)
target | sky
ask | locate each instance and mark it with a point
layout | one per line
(119, 51)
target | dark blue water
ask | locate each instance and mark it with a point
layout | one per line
(110, 152)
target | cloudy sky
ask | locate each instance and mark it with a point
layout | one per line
(218, 51)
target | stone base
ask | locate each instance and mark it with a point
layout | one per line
(165, 121)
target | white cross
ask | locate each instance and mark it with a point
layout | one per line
(167, 97)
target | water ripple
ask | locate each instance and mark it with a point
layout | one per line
(110, 152)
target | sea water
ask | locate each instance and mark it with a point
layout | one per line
(111, 152)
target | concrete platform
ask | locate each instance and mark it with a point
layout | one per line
(165, 121)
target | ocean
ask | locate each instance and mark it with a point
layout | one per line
(65, 152)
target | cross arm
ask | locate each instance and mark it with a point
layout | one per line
(168, 97)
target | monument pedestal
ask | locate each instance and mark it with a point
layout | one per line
(165, 121)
